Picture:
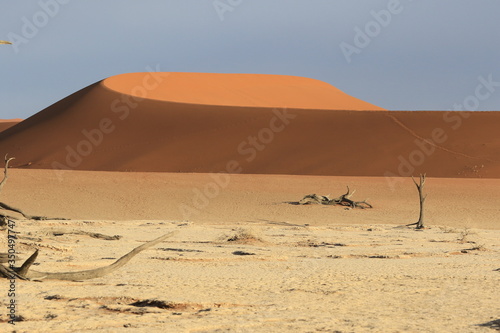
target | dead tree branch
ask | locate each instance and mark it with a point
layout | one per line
(25, 273)
(81, 232)
(343, 200)
(420, 223)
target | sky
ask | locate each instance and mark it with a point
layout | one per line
(397, 54)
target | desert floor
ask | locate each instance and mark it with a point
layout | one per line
(246, 260)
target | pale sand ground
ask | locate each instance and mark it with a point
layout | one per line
(345, 271)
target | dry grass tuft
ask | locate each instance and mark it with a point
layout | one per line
(241, 236)
(464, 235)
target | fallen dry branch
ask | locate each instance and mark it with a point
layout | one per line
(343, 200)
(4, 206)
(25, 273)
(81, 232)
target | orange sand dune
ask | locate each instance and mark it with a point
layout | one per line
(260, 124)
(7, 123)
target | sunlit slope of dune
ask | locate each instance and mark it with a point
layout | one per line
(245, 90)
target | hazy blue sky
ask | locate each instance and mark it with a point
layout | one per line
(427, 55)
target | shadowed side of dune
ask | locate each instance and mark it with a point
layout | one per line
(99, 128)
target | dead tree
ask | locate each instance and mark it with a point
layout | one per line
(25, 273)
(2, 184)
(5, 174)
(420, 223)
(6, 207)
(343, 200)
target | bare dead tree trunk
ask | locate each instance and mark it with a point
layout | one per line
(420, 223)
(3, 217)
(5, 174)
(7, 207)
